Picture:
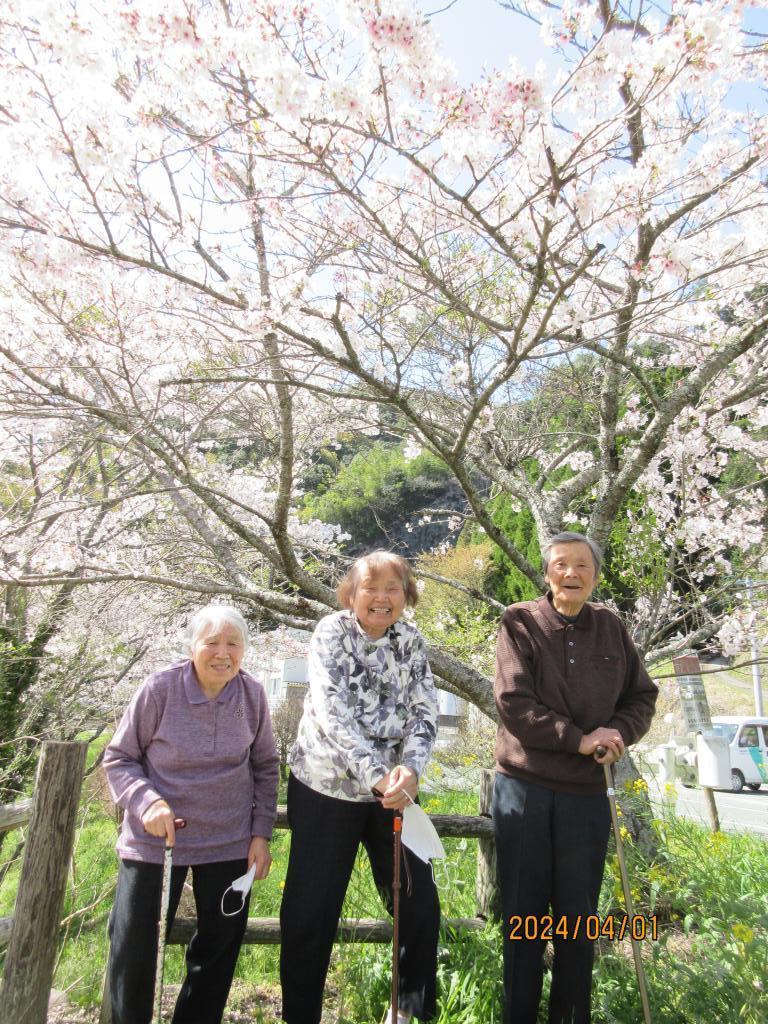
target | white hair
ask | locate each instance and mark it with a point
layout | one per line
(570, 537)
(211, 619)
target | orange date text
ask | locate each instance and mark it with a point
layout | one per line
(582, 926)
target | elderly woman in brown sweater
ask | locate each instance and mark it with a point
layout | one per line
(568, 681)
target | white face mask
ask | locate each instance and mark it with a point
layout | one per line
(241, 885)
(419, 834)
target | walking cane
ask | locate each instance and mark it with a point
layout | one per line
(165, 898)
(628, 904)
(397, 829)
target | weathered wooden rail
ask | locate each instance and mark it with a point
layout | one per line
(13, 815)
(266, 930)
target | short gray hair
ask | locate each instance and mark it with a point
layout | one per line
(212, 618)
(570, 537)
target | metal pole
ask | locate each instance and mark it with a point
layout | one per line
(165, 899)
(757, 681)
(397, 828)
(628, 903)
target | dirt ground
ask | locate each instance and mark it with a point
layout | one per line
(248, 1004)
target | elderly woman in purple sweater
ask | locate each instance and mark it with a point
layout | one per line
(195, 743)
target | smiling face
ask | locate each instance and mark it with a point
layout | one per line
(217, 658)
(378, 601)
(571, 576)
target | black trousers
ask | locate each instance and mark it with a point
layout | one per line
(325, 836)
(550, 850)
(211, 954)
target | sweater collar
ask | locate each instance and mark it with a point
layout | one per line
(554, 621)
(193, 691)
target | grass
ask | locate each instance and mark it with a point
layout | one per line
(709, 962)
(708, 892)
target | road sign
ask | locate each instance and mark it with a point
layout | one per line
(693, 696)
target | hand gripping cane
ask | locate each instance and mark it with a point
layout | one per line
(397, 830)
(165, 898)
(628, 904)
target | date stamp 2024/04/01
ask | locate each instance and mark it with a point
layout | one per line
(582, 926)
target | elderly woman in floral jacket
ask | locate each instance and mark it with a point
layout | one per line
(369, 723)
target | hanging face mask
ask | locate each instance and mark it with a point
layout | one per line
(241, 886)
(419, 834)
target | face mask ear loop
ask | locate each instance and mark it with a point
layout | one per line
(408, 876)
(231, 913)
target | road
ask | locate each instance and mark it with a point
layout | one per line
(739, 812)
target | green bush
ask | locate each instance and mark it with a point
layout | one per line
(378, 485)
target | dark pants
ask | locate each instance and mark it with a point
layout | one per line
(212, 951)
(551, 853)
(325, 835)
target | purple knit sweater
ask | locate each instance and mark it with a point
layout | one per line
(213, 761)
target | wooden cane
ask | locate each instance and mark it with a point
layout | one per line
(165, 899)
(628, 902)
(397, 828)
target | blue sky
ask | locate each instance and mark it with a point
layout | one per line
(480, 33)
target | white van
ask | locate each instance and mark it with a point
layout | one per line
(748, 746)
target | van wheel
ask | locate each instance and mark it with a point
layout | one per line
(737, 781)
(754, 786)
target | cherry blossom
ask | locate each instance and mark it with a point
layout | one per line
(233, 232)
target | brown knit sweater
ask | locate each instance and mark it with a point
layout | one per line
(556, 681)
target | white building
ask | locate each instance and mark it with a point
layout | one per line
(285, 679)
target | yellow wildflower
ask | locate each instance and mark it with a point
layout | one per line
(742, 932)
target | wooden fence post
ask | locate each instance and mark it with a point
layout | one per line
(709, 800)
(486, 888)
(105, 1010)
(31, 952)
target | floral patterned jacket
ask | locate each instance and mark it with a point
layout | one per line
(371, 705)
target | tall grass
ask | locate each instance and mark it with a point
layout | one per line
(710, 962)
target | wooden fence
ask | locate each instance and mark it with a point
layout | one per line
(32, 934)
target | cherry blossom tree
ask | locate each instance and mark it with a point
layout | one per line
(234, 231)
